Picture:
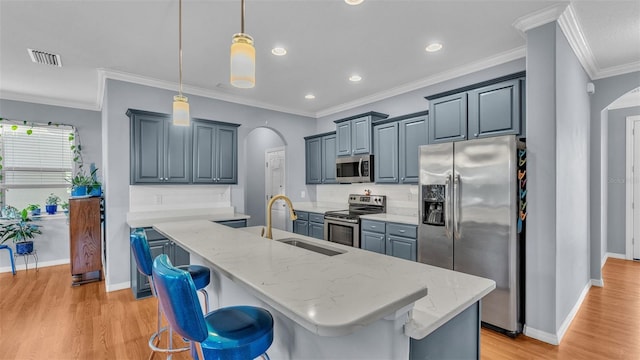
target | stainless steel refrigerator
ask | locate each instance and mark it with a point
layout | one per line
(469, 210)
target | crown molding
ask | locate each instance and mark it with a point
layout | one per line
(617, 70)
(539, 18)
(573, 32)
(193, 90)
(486, 63)
(45, 100)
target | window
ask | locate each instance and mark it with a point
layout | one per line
(36, 161)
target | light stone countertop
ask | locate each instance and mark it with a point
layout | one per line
(328, 295)
(402, 219)
(148, 218)
(319, 207)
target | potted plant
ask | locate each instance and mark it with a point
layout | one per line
(65, 208)
(52, 203)
(20, 232)
(95, 188)
(34, 208)
(80, 184)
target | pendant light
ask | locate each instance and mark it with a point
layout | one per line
(243, 58)
(180, 102)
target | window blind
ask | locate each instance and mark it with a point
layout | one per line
(43, 158)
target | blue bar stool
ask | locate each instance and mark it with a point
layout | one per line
(13, 265)
(201, 277)
(235, 332)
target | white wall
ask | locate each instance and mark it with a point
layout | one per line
(120, 96)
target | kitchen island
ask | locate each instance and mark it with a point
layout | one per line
(354, 304)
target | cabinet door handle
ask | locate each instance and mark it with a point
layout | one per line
(476, 135)
(402, 231)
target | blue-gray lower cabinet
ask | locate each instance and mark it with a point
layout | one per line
(234, 223)
(393, 239)
(158, 244)
(301, 224)
(373, 236)
(309, 224)
(316, 225)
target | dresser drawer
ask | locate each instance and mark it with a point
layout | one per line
(302, 215)
(375, 226)
(316, 218)
(409, 231)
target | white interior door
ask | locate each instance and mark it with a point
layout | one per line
(635, 185)
(275, 185)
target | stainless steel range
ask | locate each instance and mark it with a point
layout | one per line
(343, 227)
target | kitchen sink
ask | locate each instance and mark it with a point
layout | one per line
(308, 246)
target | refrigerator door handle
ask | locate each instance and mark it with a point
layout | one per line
(456, 207)
(447, 201)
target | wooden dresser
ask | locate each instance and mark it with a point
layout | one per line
(85, 240)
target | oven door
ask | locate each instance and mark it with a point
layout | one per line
(342, 232)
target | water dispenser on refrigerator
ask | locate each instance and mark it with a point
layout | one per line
(433, 204)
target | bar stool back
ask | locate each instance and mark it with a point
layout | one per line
(235, 332)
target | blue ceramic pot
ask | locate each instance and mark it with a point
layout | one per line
(35, 212)
(24, 247)
(51, 209)
(79, 190)
(96, 190)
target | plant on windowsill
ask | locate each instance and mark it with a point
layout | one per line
(52, 204)
(65, 208)
(34, 209)
(20, 232)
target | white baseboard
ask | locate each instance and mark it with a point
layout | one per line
(616, 256)
(597, 282)
(540, 335)
(119, 286)
(572, 314)
(32, 265)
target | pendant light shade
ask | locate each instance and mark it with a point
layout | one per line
(180, 110)
(180, 102)
(243, 57)
(243, 61)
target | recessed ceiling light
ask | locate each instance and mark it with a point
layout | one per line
(309, 96)
(433, 47)
(354, 2)
(355, 78)
(278, 51)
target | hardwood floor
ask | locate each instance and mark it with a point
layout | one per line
(43, 317)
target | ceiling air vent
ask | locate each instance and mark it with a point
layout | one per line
(42, 57)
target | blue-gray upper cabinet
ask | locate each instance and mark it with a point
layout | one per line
(448, 120)
(395, 144)
(353, 134)
(160, 151)
(385, 144)
(215, 152)
(490, 108)
(495, 109)
(320, 158)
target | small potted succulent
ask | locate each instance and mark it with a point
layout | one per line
(20, 231)
(34, 209)
(52, 203)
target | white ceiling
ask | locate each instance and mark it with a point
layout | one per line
(327, 40)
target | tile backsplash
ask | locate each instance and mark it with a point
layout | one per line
(178, 197)
(401, 199)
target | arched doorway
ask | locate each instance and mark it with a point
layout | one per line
(257, 143)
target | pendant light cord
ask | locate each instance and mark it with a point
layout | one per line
(241, 17)
(180, 43)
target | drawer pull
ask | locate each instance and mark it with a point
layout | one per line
(401, 231)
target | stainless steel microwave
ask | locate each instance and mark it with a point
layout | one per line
(355, 169)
